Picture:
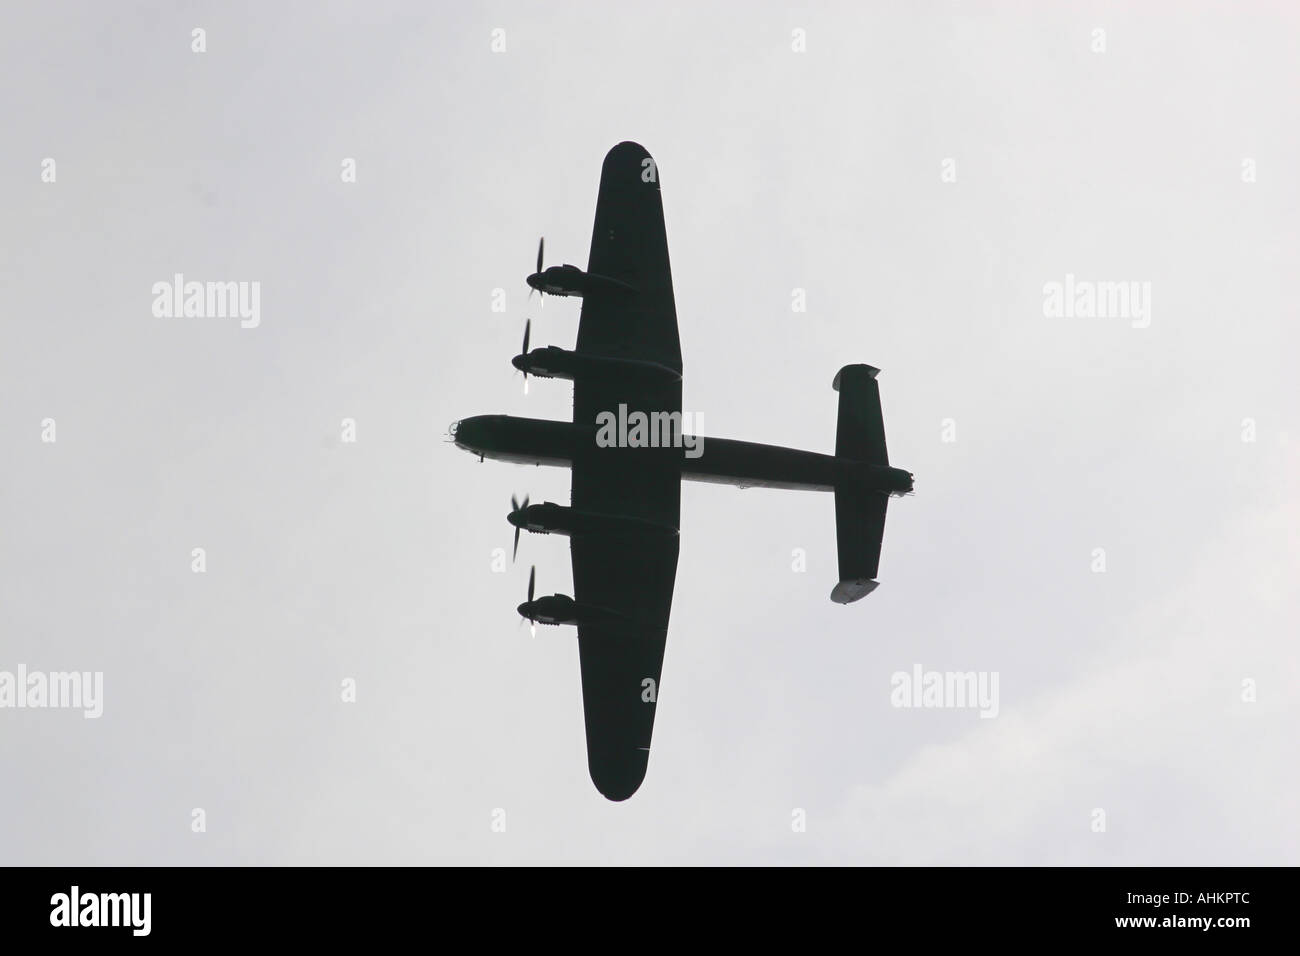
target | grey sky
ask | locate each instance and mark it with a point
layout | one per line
(780, 170)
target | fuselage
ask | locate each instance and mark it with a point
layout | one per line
(534, 441)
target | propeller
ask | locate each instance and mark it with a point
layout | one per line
(517, 509)
(541, 247)
(528, 328)
(532, 580)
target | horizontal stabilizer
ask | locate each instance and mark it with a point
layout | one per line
(859, 530)
(860, 432)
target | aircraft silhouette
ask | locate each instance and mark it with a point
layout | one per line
(625, 508)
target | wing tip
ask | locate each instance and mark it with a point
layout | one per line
(632, 156)
(616, 791)
(617, 778)
(854, 589)
(628, 146)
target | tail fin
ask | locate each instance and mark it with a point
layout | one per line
(859, 515)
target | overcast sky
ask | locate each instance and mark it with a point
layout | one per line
(921, 171)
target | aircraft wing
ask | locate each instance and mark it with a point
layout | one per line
(628, 243)
(622, 662)
(631, 575)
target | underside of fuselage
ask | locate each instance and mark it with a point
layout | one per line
(533, 441)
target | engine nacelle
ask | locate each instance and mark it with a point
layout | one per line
(550, 518)
(554, 362)
(557, 609)
(569, 280)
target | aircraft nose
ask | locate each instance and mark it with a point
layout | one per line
(471, 433)
(519, 362)
(515, 518)
(534, 281)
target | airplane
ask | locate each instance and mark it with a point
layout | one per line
(623, 519)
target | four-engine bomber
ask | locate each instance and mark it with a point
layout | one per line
(625, 510)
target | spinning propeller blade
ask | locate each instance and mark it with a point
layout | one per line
(517, 509)
(532, 580)
(528, 328)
